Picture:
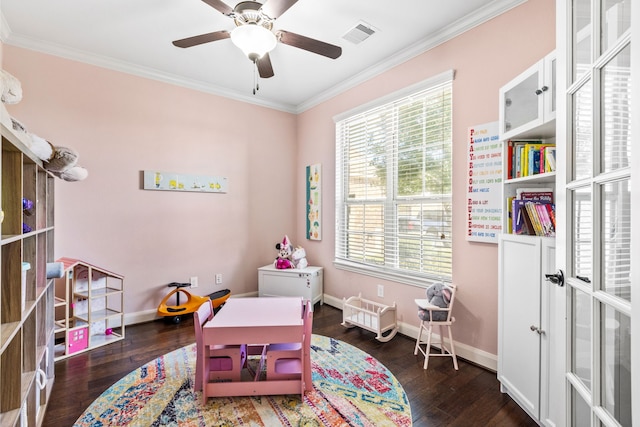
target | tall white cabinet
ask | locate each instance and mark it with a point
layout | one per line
(526, 369)
(524, 328)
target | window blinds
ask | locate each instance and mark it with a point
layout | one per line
(393, 186)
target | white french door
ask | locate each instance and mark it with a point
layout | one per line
(595, 209)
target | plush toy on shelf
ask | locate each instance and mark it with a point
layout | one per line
(10, 88)
(60, 161)
(299, 257)
(439, 295)
(285, 249)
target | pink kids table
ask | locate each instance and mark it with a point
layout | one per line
(258, 321)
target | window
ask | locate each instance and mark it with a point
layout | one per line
(393, 185)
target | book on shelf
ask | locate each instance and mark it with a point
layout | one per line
(534, 216)
(527, 158)
(531, 212)
(510, 214)
(550, 159)
(548, 229)
(541, 194)
(521, 223)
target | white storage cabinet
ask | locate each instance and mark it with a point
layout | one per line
(292, 282)
(527, 370)
(524, 330)
(527, 103)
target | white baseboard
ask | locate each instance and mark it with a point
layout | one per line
(479, 357)
(474, 355)
(151, 315)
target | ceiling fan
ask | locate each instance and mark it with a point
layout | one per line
(254, 33)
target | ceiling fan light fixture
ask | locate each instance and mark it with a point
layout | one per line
(253, 40)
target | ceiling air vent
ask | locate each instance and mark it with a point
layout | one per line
(359, 33)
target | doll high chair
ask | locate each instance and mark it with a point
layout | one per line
(443, 322)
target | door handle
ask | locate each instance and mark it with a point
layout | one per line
(536, 330)
(556, 279)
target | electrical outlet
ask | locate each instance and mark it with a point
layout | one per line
(219, 279)
(194, 281)
(381, 291)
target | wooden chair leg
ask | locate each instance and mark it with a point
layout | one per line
(428, 347)
(452, 349)
(417, 347)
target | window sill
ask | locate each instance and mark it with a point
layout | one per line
(392, 276)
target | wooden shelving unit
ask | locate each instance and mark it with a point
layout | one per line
(26, 295)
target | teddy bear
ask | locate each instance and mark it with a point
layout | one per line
(10, 88)
(60, 161)
(438, 294)
(285, 249)
(299, 257)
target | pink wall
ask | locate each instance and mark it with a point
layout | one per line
(484, 59)
(123, 124)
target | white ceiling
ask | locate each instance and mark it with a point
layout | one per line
(135, 36)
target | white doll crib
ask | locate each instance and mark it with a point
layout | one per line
(370, 315)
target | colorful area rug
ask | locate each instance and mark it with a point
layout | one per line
(350, 388)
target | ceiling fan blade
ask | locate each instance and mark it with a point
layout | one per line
(275, 8)
(201, 39)
(220, 6)
(312, 45)
(265, 69)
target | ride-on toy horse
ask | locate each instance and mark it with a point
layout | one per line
(174, 312)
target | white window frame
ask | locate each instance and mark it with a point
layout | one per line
(390, 270)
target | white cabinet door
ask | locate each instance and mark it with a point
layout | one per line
(527, 103)
(552, 308)
(519, 320)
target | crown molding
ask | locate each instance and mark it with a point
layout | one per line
(470, 21)
(453, 30)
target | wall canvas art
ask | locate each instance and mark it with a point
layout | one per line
(170, 181)
(314, 202)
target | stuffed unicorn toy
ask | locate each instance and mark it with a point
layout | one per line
(299, 257)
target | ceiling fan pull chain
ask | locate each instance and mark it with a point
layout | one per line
(256, 85)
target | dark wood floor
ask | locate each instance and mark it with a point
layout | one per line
(439, 396)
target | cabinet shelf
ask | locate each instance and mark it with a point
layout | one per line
(7, 332)
(97, 315)
(98, 293)
(541, 178)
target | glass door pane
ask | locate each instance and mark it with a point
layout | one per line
(582, 233)
(581, 337)
(616, 365)
(581, 412)
(581, 37)
(525, 107)
(616, 238)
(616, 19)
(615, 120)
(583, 131)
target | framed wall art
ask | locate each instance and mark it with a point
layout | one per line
(314, 202)
(170, 181)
